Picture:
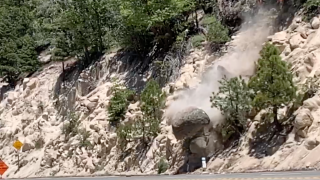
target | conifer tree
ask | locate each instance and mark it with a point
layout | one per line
(234, 101)
(152, 102)
(272, 84)
(17, 46)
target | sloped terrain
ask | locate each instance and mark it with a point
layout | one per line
(36, 111)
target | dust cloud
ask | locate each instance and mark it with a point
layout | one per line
(243, 52)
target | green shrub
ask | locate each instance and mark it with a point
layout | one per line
(152, 103)
(162, 166)
(39, 143)
(234, 101)
(273, 83)
(83, 138)
(197, 40)
(217, 33)
(312, 8)
(124, 134)
(118, 104)
(71, 129)
(208, 20)
(147, 126)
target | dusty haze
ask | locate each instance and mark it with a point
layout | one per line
(239, 60)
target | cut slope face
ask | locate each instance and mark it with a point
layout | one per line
(29, 113)
(243, 51)
(300, 149)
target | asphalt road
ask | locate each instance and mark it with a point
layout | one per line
(297, 175)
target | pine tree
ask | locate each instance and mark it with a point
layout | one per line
(152, 103)
(273, 84)
(148, 124)
(118, 104)
(148, 22)
(234, 101)
(83, 27)
(17, 46)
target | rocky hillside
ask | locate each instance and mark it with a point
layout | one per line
(298, 150)
(35, 113)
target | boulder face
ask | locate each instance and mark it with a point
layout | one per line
(315, 23)
(188, 122)
(207, 144)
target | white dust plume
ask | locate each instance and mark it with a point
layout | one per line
(239, 60)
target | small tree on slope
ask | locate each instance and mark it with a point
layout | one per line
(273, 84)
(234, 101)
(152, 102)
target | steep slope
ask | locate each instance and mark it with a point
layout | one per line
(299, 150)
(37, 110)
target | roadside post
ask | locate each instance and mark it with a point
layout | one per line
(204, 163)
(17, 144)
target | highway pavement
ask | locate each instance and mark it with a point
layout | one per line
(296, 175)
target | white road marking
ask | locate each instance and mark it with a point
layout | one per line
(170, 177)
(279, 174)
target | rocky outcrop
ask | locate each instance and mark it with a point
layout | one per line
(189, 122)
(37, 112)
(193, 125)
(302, 122)
(299, 46)
(206, 143)
(315, 23)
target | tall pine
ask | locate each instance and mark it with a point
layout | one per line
(272, 84)
(17, 46)
(83, 28)
(152, 102)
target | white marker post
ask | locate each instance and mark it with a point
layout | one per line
(204, 163)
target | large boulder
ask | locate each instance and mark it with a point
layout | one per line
(315, 23)
(207, 144)
(296, 41)
(32, 84)
(27, 145)
(188, 122)
(303, 121)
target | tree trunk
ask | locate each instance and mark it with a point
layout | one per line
(63, 71)
(86, 56)
(275, 118)
(197, 23)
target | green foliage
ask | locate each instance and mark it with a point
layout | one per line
(149, 22)
(272, 84)
(124, 134)
(197, 40)
(162, 166)
(39, 143)
(217, 33)
(208, 20)
(234, 101)
(310, 87)
(312, 8)
(162, 70)
(118, 103)
(145, 14)
(88, 28)
(83, 138)
(152, 103)
(82, 28)
(70, 129)
(17, 47)
(147, 126)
